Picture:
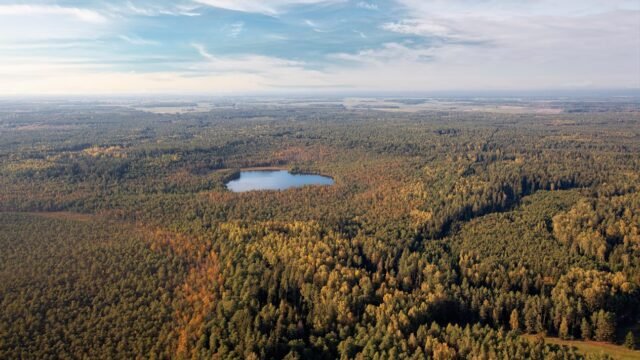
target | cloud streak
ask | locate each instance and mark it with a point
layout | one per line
(85, 15)
(134, 40)
(367, 5)
(266, 7)
(154, 9)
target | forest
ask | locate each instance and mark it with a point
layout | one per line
(450, 234)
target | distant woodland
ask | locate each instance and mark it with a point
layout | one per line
(447, 235)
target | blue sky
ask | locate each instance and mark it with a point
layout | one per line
(238, 46)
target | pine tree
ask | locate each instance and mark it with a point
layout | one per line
(630, 340)
(604, 326)
(585, 329)
(514, 320)
(563, 332)
(530, 316)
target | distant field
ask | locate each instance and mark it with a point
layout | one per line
(594, 347)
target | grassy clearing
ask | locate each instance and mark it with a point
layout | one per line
(594, 347)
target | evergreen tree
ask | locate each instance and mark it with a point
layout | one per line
(585, 329)
(630, 340)
(514, 320)
(604, 326)
(563, 332)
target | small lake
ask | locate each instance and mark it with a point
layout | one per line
(274, 180)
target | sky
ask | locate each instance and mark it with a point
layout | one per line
(296, 46)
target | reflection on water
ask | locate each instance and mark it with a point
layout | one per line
(274, 180)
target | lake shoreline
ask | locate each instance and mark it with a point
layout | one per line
(273, 179)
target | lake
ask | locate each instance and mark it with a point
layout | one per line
(274, 180)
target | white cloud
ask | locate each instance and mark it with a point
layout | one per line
(277, 37)
(236, 29)
(151, 9)
(366, 5)
(418, 27)
(44, 45)
(135, 40)
(268, 71)
(509, 8)
(387, 54)
(314, 26)
(219, 74)
(84, 15)
(515, 44)
(27, 23)
(267, 7)
(203, 51)
(244, 63)
(360, 33)
(64, 79)
(395, 67)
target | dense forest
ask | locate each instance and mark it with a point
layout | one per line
(447, 234)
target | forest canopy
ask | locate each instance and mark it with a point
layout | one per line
(447, 234)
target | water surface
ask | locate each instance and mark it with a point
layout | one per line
(274, 180)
